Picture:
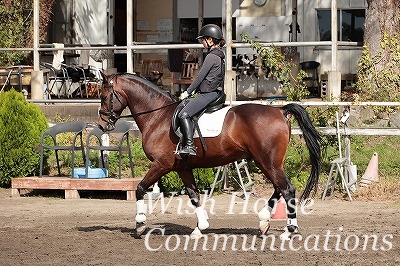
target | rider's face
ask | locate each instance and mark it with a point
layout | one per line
(206, 41)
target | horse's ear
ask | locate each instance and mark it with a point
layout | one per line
(104, 77)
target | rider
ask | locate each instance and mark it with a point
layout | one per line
(208, 83)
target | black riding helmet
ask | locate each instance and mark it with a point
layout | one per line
(211, 30)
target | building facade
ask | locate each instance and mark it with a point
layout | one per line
(103, 22)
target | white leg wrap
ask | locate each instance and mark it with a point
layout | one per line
(202, 217)
(265, 213)
(265, 216)
(292, 222)
(140, 211)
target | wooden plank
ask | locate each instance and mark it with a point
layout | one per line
(102, 184)
(73, 185)
(124, 184)
(41, 183)
(71, 194)
(130, 195)
(15, 193)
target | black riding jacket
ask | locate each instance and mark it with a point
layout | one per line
(211, 74)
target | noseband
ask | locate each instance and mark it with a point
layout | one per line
(112, 116)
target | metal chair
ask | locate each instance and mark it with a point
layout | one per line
(76, 128)
(117, 138)
(58, 78)
(312, 80)
(94, 82)
(78, 76)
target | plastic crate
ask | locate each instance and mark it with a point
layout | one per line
(92, 173)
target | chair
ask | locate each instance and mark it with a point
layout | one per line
(74, 127)
(117, 137)
(94, 81)
(152, 69)
(188, 72)
(77, 75)
(312, 81)
(59, 78)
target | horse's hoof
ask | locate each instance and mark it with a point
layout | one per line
(140, 228)
(289, 231)
(285, 236)
(196, 234)
(293, 229)
(264, 227)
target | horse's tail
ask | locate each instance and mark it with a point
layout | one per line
(313, 140)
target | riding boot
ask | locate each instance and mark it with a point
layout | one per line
(187, 129)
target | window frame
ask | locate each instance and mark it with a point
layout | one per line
(340, 24)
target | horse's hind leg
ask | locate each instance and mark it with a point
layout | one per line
(288, 193)
(265, 214)
(193, 193)
(283, 187)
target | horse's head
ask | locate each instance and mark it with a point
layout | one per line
(113, 103)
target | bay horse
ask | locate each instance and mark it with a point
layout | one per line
(250, 131)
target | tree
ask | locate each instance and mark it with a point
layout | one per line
(379, 66)
(16, 28)
(21, 126)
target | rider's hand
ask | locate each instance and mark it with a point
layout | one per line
(184, 95)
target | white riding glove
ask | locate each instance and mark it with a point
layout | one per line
(184, 95)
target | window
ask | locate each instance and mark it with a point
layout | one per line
(350, 25)
(189, 28)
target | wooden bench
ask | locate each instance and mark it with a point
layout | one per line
(73, 185)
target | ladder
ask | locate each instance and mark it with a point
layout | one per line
(222, 176)
(337, 169)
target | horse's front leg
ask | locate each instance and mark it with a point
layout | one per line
(155, 172)
(193, 193)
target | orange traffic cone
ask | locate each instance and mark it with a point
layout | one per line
(371, 173)
(279, 212)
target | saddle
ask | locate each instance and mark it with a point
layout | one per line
(215, 105)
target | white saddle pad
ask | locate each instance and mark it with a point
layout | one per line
(211, 124)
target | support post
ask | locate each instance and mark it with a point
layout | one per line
(334, 86)
(334, 76)
(36, 75)
(230, 86)
(129, 36)
(37, 85)
(230, 76)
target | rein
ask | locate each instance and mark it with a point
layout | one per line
(114, 117)
(146, 112)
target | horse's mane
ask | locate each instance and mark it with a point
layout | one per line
(141, 80)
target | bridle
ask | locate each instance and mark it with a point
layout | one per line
(112, 116)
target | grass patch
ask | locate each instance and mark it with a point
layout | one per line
(362, 149)
(296, 165)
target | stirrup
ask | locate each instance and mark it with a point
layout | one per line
(188, 150)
